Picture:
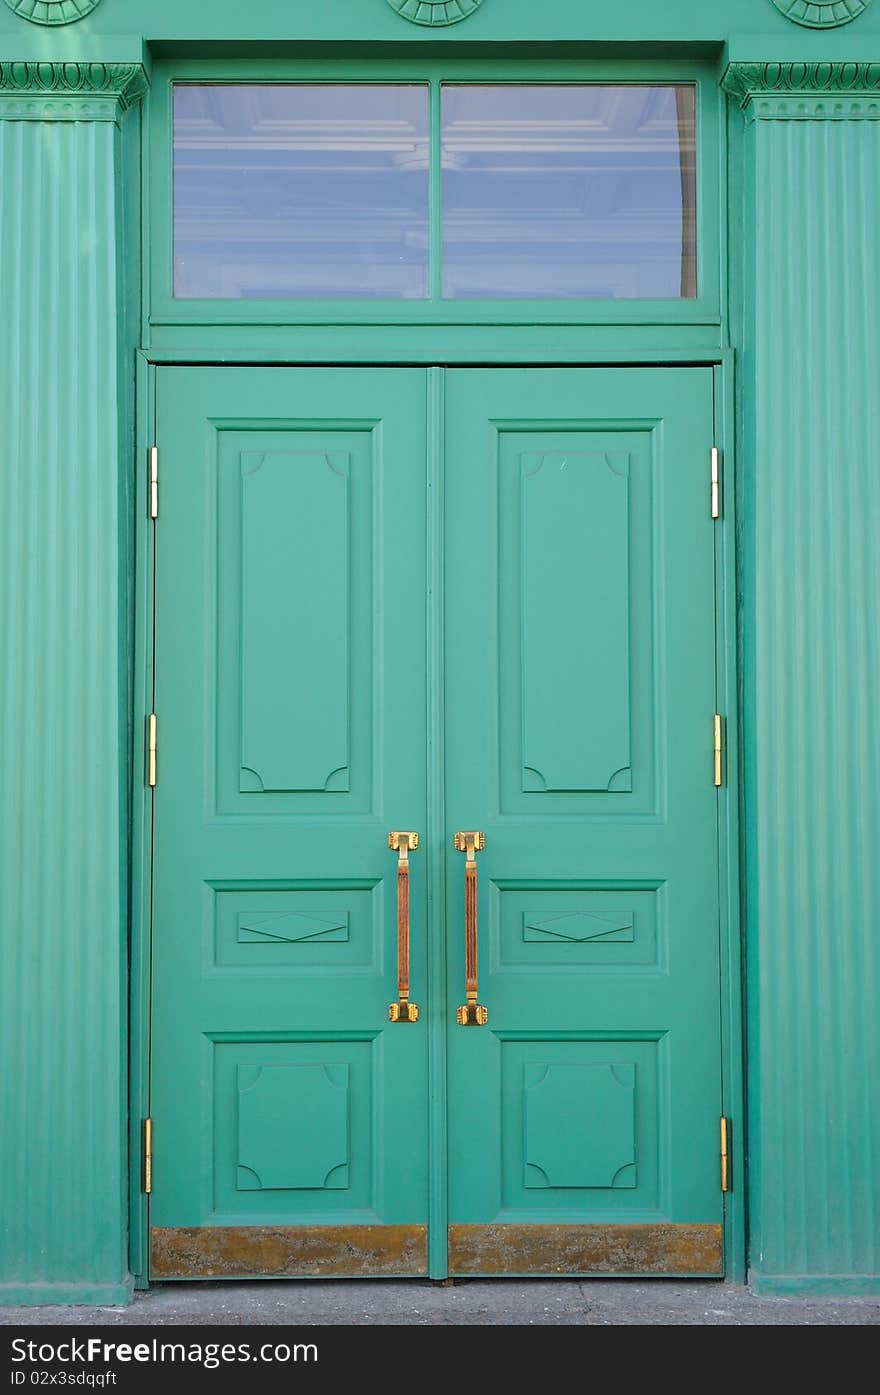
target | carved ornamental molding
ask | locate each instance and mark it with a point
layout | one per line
(435, 12)
(805, 91)
(821, 14)
(70, 91)
(53, 11)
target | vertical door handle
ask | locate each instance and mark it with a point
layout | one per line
(471, 1013)
(403, 844)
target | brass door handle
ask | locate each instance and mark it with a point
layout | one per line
(403, 844)
(471, 1013)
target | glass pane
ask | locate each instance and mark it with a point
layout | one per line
(295, 190)
(568, 191)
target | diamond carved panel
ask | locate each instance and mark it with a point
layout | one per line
(578, 926)
(291, 927)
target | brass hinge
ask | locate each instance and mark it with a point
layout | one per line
(151, 750)
(154, 481)
(715, 484)
(725, 1160)
(148, 1156)
(717, 744)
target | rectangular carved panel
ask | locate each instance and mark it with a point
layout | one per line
(288, 1252)
(293, 1126)
(575, 620)
(579, 1124)
(663, 1248)
(582, 1128)
(295, 620)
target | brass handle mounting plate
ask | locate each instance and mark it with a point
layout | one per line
(403, 843)
(471, 1013)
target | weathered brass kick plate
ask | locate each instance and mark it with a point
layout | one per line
(289, 1251)
(585, 1249)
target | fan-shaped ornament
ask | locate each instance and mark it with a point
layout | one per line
(53, 11)
(435, 12)
(821, 14)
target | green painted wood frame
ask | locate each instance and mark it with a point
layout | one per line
(728, 687)
(356, 332)
(393, 330)
(142, 829)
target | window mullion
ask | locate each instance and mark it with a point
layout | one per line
(435, 191)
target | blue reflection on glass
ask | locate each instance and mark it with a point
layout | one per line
(564, 191)
(301, 190)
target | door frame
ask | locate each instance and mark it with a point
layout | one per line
(727, 664)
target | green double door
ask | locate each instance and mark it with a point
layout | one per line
(474, 602)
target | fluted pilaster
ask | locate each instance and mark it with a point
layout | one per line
(63, 701)
(811, 422)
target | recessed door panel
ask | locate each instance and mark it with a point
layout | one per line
(295, 543)
(582, 1130)
(573, 521)
(578, 596)
(295, 1118)
(294, 625)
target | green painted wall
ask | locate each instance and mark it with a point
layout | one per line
(806, 155)
(639, 21)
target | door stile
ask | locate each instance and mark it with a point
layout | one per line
(731, 1005)
(435, 850)
(143, 531)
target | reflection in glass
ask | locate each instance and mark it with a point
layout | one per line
(566, 191)
(299, 190)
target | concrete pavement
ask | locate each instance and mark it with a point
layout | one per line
(473, 1302)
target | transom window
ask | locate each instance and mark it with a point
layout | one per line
(411, 191)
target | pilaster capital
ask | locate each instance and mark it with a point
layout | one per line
(805, 91)
(64, 91)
